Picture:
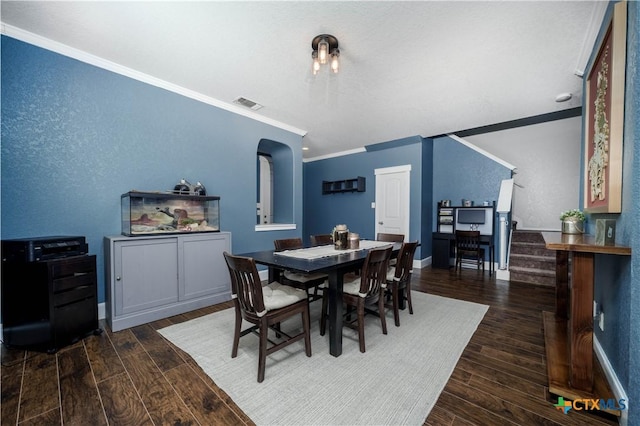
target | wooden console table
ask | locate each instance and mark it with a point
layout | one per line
(569, 330)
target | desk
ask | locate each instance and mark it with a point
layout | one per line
(444, 244)
(569, 331)
(334, 266)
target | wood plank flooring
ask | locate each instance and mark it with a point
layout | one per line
(135, 377)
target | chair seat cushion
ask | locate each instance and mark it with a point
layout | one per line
(391, 273)
(303, 278)
(277, 296)
(353, 287)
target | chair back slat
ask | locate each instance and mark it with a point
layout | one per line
(374, 271)
(468, 240)
(321, 240)
(288, 244)
(246, 286)
(392, 238)
(404, 264)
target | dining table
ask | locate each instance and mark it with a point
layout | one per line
(327, 260)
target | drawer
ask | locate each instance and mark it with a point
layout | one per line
(72, 281)
(75, 295)
(73, 265)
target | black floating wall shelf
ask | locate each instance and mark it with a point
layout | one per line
(347, 185)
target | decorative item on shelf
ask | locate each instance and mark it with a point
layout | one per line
(354, 240)
(199, 189)
(445, 203)
(605, 232)
(340, 237)
(467, 203)
(182, 187)
(572, 221)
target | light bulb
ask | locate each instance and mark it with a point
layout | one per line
(315, 66)
(334, 60)
(323, 51)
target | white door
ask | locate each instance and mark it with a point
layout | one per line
(393, 200)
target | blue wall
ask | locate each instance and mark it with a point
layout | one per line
(441, 168)
(75, 137)
(323, 212)
(460, 172)
(616, 280)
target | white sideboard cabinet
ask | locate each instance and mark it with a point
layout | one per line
(154, 277)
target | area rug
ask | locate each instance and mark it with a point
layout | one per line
(396, 381)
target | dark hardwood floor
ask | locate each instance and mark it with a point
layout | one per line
(135, 377)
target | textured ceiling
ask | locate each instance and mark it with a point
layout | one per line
(407, 68)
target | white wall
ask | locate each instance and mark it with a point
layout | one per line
(547, 179)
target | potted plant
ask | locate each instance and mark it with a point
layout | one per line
(572, 221)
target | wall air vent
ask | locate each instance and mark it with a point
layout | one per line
(247, 103)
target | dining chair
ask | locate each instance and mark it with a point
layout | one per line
(265, 307)
(321, 240)
(306, 282)
(364, 293)
(392, 238)
(468, 249)
(399, 280)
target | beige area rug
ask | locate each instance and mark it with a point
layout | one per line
(397, 381)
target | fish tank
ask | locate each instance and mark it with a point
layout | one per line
(152, 213)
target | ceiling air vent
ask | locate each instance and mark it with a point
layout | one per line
(247, 103)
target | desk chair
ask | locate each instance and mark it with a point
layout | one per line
(366, 291)
(468, 249)
(306, 282)
(399, 280)
(265, 308)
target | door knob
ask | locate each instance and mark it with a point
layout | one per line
(380, 223)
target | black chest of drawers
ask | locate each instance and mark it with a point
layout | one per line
(49, 304)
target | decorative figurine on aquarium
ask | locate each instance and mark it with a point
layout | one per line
(182, 187)
(199, 189)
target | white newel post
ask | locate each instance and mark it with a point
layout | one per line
(503, 242)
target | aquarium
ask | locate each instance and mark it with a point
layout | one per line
(150, 213)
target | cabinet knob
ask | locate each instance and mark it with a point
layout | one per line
(118, 278)
(380, 223)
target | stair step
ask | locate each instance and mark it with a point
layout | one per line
(533, 261)
(532, 271)
(533, 276)
(530, 261)
(531, 248)
(527, 236)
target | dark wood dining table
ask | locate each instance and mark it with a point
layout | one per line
(335, 266)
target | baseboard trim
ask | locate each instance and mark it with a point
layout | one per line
(503, 274)
(612, 378)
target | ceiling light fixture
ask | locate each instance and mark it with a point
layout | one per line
(325, 50)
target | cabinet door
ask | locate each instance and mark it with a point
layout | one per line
(146, 274)
(204, 269)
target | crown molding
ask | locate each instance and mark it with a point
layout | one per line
(597, 16)
(336, 154)
(482, 152)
